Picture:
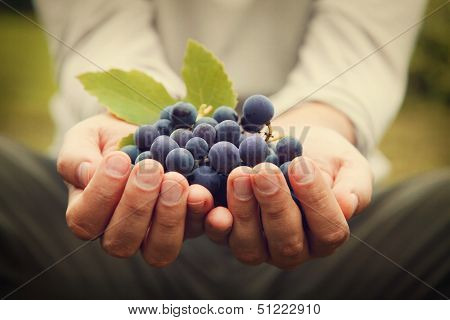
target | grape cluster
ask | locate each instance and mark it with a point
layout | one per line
(207, 149)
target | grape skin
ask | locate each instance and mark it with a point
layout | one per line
(224, 157)
(206, 132)
(253, 150)
(288, 148)
(132, 151)
(284, 169)
(208, 120)
(145, 135)
(181, 136)
(250, 127)
(228, 130)
(208, 178)
(272, 157)
(164, 127)
(180, 160)
(143, 156)
(161, 147)
(183, 115)
(223, 113)
(258, 109)
(198, 147)
(165, 113)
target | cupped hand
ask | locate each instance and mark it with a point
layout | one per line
(128, 207)
(263, 223)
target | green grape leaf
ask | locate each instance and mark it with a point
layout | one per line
(125, 141)
(205, 78)
(132, 96)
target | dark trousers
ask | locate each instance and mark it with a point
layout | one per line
(402, 236)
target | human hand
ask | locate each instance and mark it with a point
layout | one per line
(129, 208)
(332, 180)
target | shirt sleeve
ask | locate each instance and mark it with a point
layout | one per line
(355, 57)
(94, 35)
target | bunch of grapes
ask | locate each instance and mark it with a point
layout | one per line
(207, 149)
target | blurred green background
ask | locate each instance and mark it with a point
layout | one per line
(418, 140)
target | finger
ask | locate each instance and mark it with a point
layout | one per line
(199, 203)
(218, 224)
(130, 221)
(281, 217)
(166, 232)
(246, 239)
(90, 211)
(353, 187)
(326, 222)
(79, 155)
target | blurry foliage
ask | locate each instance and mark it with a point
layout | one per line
(429, 71)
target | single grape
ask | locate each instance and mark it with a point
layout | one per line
(161, 147)
(183, 115)
(258, 109)
(207, 120)
(250, 127)
(288, 148)
(228, 130)
(181, 136)
(224, 157)
(143, 156)
(145, 135)
(164, 127)
(180, 160)
(198, 147)
(131, 150)
(272, 157)
(208, 178)
(206, 132)
(253, 150)
(225, 113)
(284, 169)
(165, 113)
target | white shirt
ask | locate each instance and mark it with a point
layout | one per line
(287, 49)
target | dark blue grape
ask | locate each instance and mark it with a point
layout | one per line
(180, 160)
(207, 120)
(143, 156)
(183, 115)
(161, 147)
(165, 113)
(225, 113)
(207, 177)
(288, 148)
(145, 135)
(198, 147)
(164, 127)
(272, 157)
(132, 151)
(228, 130)
(224, 157)
(220, 198)
(206, 132)
(181, 136)
(258, 109)
(250, 127)
(284, 169)
(253, 150)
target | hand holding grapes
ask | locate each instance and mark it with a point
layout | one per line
(110, 198)
(332, 181)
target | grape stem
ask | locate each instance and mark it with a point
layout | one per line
(204, 110)
(269, 133)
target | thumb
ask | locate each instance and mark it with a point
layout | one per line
(79, 155)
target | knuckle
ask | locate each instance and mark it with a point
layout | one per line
(291, 250)
(276, 209)
(244, 216)
(169, 223)
(81, 230)
(335, 239)
(117, 248)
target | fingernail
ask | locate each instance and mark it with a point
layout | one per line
(267, 183)
(242, 188)
(171, 192)
(83, 173)
(147, 179)
(117, 165)
(303, 170)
